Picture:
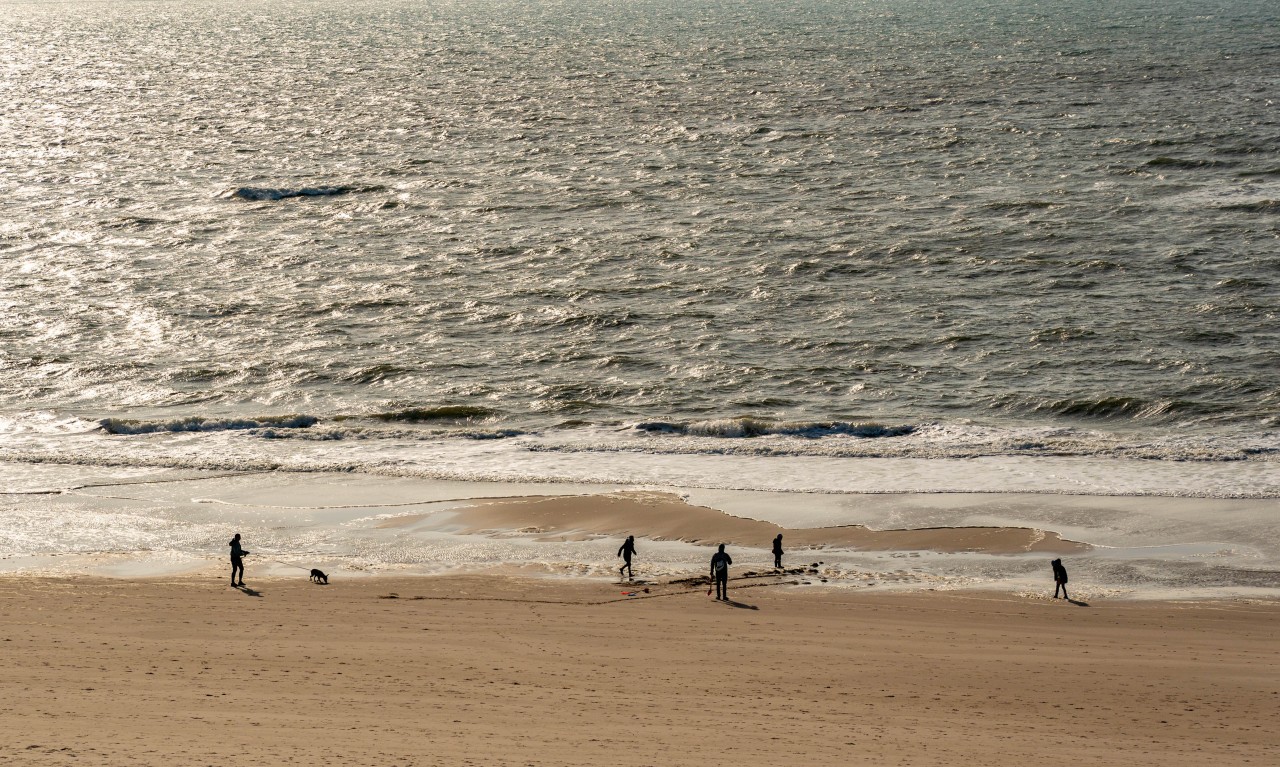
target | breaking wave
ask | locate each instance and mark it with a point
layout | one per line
(202, 424)
(441, 413)
(1107, 408)
(363, 433)
(755, 436)
(756, 427)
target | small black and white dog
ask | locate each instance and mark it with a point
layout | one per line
(319, 577)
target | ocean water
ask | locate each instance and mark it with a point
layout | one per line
(814, 246)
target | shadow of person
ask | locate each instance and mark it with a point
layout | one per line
(248, 591)
(740, 605)
(1078, 603)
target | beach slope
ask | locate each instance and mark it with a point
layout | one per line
(511, 671)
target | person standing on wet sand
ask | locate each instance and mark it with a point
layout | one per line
(720, 562)
(628, 548)
(237, 560)
(777, 552)
(1059, 579)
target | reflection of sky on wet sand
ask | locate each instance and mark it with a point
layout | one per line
(153, 522)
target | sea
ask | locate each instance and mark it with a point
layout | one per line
(826, 247)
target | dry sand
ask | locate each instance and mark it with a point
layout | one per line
(509, 671)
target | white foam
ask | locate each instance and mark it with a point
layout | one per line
(168, 523)
(571, 459)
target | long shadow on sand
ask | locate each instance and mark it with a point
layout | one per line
(740, 605)
(1078, 603)
(248, 591)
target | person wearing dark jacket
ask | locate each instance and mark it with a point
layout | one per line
(777, 551)
(720, 562)
(1059, 579)
(237, 560)
(628, 548)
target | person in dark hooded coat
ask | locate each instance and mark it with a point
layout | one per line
(628, 549)
(1059, 579)
(237, 560)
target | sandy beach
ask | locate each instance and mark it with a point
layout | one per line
(507, 670)
(449, 300)
(481, 624)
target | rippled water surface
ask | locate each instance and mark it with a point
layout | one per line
(878, 228)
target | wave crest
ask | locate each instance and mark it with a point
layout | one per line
(200, 423)
(440, 413)
(1258, 206)
(1109, 408)
(266, 193)
(757, 427)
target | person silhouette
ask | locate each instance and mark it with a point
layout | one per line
(237, 560)
(628, 548)
(777, 551)
(720, 562)
(1059, 579)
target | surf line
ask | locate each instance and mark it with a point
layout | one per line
(324, 508)
(75, 489)
(287, 564)
(465, 499)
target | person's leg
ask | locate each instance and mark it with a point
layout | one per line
(236, 566)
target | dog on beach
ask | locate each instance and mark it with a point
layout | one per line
(319, 577)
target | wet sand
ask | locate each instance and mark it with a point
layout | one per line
(518, 671)
(664, 516)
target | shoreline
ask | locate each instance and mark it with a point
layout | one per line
(163, 523)
(802, 580)
(518, 671)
